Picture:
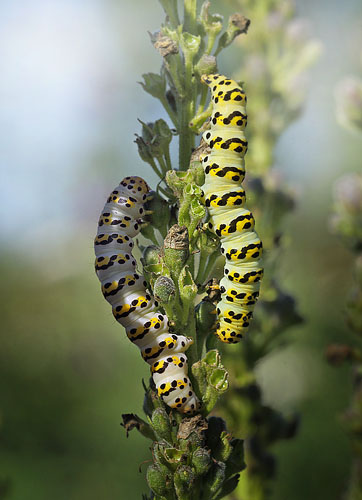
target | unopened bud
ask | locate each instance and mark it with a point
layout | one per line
(164, 289)
(183, 481)
(157, 481)
(176, 247)
(201, 461)
(207, 65)
(151, 255)
(190, 44)
(161, 424)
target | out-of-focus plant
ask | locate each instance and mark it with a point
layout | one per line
(346, 222)
(349, 103)
(276, 55)
(5, 482)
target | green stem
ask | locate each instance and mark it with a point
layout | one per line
(186, 137)
(187, 110)
(200, 118)
(168, 159)
(156, 169)
(163, 166)
(203, 98)
(190, 16)
(171, 113)
(210, 41)
(202, 264)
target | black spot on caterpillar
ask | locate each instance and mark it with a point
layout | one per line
(132, 305)
(229, 219)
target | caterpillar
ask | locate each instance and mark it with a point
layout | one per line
(132, 305)
(224, 197)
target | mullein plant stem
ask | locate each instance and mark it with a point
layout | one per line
(197, 457)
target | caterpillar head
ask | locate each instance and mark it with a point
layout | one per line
(136, 186)
(211, 79)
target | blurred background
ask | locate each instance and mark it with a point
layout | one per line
(69, 103)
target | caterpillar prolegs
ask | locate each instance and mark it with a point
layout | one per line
(132, 305)
(225, 198)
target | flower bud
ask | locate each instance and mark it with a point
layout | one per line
(151, 255)
(201, 461)
(207, 65)
(161, 424)
(159, 483)
(164, 289)
(183, 480)
(176, 247)
(190, 44)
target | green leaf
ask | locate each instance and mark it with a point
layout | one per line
(154, 84)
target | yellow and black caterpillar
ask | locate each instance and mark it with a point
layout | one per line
(132, 305)
(225, 198)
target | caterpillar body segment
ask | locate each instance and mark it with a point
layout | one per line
(132, 305)
(225, 198)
